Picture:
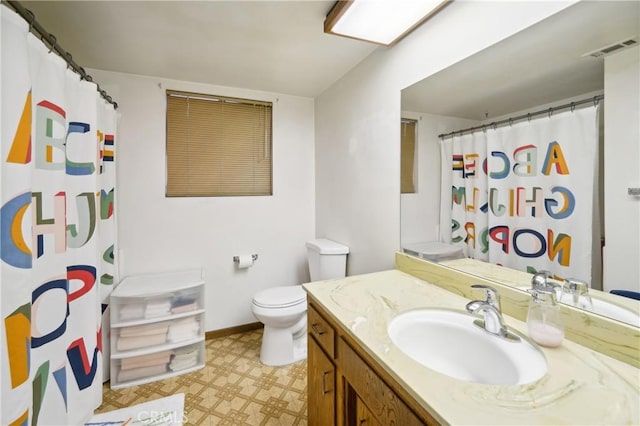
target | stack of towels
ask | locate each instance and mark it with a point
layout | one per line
(184, 358)
(144, 366)
(183, 329)
(140, 336)
(131, 311)
(157, 308)
(160, 307)
(182, 304)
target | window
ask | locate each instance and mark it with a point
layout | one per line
(407, 155)
(217, 146)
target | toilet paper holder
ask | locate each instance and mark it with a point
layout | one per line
(236, 259)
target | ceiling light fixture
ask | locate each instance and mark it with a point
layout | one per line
(382, 22)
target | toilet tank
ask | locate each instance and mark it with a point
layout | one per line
(327, 259)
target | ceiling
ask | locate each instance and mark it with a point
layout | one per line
(274, 46)
(280, 46)
(538, 66)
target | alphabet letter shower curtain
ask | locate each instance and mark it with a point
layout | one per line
(57, 233)
(523, 196)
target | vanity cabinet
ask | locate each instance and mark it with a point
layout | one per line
(321, 370)
(346, 386)
(321, 386)
(364, 416)
(157, 327)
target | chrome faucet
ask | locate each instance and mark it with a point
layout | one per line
(544, 280)
(578, 292)
(540, 279)
(490, 308)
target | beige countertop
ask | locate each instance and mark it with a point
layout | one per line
(582, 386)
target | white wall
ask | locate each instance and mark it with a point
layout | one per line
(157, 234)
(420, 211)
(622, 170)
(357, 138)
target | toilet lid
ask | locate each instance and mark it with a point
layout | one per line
(280, 297)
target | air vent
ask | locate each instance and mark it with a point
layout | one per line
(615, 47)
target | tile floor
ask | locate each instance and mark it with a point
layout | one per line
(234, 388)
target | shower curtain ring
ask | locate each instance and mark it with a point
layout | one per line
(595, 101)
(510, 121)
(55, 41)
(484, 128)
(31, 19)
(495, 125)
(573, 106)
(550, 112)
(529, 116)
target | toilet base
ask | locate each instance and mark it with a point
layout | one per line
(281, 347)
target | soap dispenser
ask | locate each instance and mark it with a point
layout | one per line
(544, 321)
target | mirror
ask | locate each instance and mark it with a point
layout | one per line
(545, 65)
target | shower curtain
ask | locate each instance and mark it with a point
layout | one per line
(57, 233)
(522, 196)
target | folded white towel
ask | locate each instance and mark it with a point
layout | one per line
(144, 330)
(149, 360)
(186, 356)
(185, 351)
(129, 343)
(182, 365)
(184, 308)
(157, 308)
(183, 329)
(131, 311)
(139, 373)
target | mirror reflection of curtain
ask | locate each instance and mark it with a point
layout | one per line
(57, 233)
(522, 196)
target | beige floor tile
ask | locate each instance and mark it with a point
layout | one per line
(234, 388)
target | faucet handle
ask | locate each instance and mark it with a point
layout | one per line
(491, 294)
(577, 293)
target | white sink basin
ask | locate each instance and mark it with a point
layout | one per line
(601, 307)
(449, 342)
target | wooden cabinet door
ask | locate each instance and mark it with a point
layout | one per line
(321, 386)
(364, 417)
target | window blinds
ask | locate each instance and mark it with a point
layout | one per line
(407, 155)
(218, 146)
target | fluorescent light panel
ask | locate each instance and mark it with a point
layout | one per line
(379, 21)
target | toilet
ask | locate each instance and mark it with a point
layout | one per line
(434, 251)
(283, 310)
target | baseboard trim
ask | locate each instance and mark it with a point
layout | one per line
(232, 330)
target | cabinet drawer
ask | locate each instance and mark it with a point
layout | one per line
(321, 330)
(380, 400)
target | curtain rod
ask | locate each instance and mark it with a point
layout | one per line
(50, 39)
(528, 116)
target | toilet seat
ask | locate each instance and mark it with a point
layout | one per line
(280, 297)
